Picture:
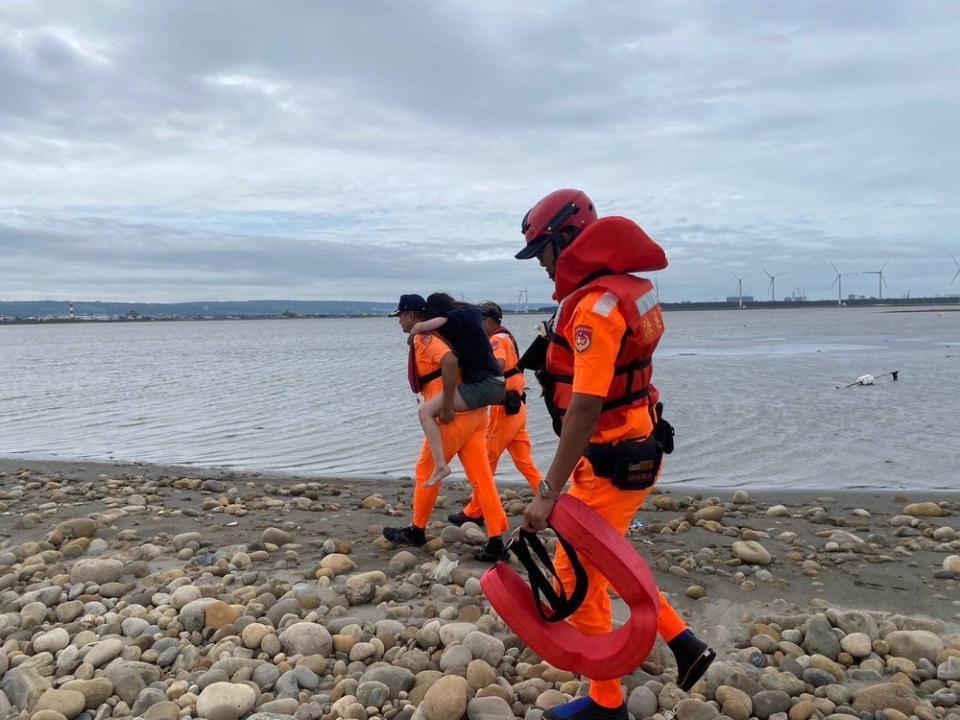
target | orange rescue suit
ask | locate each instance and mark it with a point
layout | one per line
(606, 330)
(464, 437)
(508, 432)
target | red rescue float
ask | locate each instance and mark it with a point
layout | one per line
(602, 657)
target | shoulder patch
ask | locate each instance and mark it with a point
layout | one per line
(425, 338)
(605, 304)
(582, 337)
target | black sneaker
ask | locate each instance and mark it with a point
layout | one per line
(459, 518)
(693, 658)
(585, 709)
(410, 535)
(492, 552)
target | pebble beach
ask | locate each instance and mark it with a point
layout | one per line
(165, 593)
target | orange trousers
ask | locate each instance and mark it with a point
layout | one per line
(508, 432)
(465, 437)
(595, 616)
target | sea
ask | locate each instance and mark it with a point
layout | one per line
(758, 397)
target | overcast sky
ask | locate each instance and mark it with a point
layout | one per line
(169, 151)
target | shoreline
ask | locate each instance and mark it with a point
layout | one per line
(926, 304)
(161, 586)
(85, 467)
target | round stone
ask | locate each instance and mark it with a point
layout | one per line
(446, 699)
(221, 698)
(306, 638)
(253, 634)
(858, 645)
(752, 552)
(52, 641)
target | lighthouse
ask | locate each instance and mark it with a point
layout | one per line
(72, 314)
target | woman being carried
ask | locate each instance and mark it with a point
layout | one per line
(483, 384)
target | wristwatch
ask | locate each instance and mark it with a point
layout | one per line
(544, 490)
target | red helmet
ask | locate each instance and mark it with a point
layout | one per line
(568, 210)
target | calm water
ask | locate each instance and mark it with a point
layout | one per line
(752, 394)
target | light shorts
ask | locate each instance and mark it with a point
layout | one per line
(488, 391)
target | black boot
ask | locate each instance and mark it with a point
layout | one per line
(493, 551)
(693, 658)
(585, 709)
(410, 535)
(459, 518)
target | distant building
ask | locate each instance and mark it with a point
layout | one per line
(736, 298)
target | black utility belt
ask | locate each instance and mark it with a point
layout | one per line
(513, 401)
(630, 464)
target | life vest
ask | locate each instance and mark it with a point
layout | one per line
(515, 369)
(515, 396)
(418, 382)
(601, 657)
(631, 386)
(601, 258)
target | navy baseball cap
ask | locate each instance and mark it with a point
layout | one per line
(409, 303)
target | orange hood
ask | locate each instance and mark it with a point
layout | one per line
(613, 244)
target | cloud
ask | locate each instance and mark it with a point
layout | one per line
(110, 260)
(181, 150)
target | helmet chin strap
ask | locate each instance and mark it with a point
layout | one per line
(562, 239)
(556, 246)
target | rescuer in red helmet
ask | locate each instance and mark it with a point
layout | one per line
(596, 372)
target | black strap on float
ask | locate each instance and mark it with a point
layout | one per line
(561, 605)
(510, 373)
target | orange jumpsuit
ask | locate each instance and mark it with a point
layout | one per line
(464, 437)
(600, 327)
(508, 432)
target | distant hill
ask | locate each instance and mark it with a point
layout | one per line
(55, 310)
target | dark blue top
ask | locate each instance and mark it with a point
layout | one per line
(465, 333)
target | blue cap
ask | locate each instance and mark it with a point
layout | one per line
(410, 303)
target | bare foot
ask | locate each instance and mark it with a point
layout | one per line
(438, 474)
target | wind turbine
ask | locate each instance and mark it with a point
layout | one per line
(957, 272)
(838, 281)
(880, 281)
(773, 286)
(523, 297)
(739, 287)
